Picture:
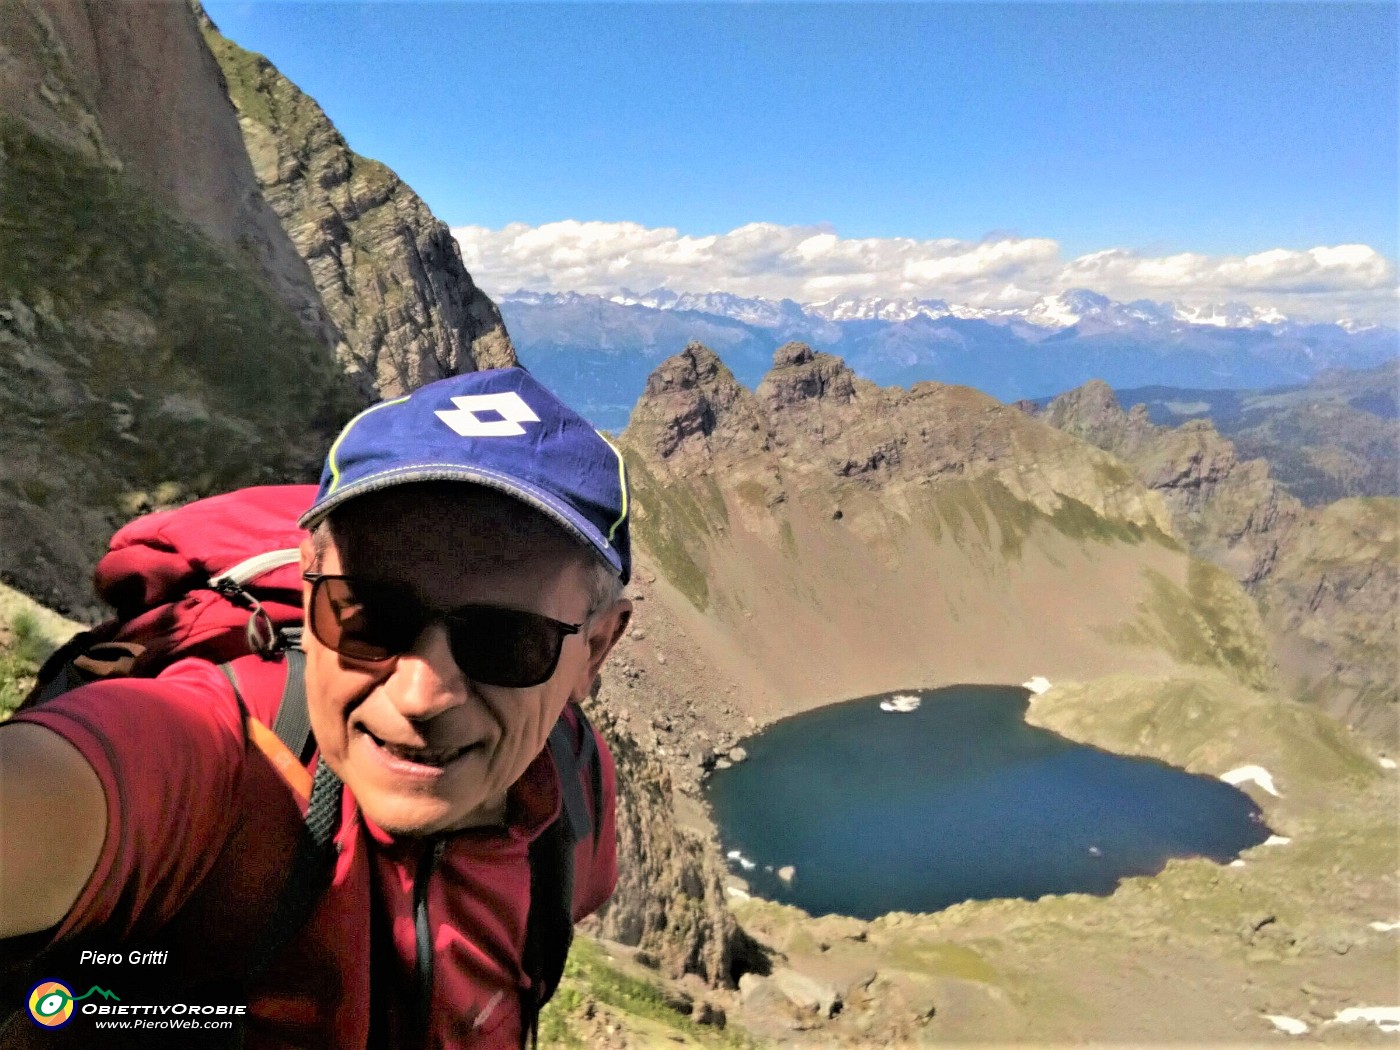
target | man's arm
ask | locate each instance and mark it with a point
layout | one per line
(53, 820)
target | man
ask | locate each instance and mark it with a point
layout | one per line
(462, 584)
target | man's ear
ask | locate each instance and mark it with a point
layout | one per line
(603, 633)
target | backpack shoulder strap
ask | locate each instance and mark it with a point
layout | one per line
(313, 863)
(549, 928)
(293, 723)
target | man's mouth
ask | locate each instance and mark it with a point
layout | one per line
(436, 757)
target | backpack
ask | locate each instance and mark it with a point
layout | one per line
(219, 579)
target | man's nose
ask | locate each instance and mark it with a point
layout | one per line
(426, 680)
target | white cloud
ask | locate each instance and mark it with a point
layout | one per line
(814, 263)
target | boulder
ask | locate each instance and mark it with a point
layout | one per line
(808, 994)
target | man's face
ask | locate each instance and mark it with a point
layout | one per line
(422, 747)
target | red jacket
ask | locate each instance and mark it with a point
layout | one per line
(201, 828)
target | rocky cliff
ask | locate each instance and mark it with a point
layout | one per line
(1230, 511)
(389, 272)
(160, 338)
(1326, 578)
(163, 335)
(130, 87)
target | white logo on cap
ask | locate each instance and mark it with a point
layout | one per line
(507, 404)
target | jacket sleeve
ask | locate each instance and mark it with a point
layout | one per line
(169, 753)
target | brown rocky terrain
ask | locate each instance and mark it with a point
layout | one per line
(1326, 578)
(922, 537)
(740, 500)
(389, 272)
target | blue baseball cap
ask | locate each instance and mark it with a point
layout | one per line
(499, 428)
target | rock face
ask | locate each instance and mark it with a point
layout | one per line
(1326, 578)
(1331, 601)
(389, 272)
(1230, 511)
(694, 406)
(131, 86)
(669, 900)
(160, 338)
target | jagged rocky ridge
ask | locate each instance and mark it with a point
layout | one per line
(389, 272)
(1327, 578)
(820, 537)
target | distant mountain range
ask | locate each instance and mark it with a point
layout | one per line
(598, 350)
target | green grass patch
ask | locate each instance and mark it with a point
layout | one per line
(129, 306)
(941, 959)
(590, 976)
(787, 538)
(673, 522)
(1079, 521)
(963, 509)
(1210, 623)
(21, 655)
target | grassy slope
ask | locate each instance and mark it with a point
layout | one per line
(28, 634)
(599, 993)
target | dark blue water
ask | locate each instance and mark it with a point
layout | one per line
(957, 800)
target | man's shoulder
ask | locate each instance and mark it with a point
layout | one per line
(188, 696)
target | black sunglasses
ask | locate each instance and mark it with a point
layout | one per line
(374, 621)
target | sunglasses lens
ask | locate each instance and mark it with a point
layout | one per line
(364, 620)
(505, 647)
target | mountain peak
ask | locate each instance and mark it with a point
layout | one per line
(799, 374)
(693, 403)
(1092, 412)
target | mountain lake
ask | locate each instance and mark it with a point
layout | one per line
(948, 795)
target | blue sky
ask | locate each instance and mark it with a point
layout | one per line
(1218, 129)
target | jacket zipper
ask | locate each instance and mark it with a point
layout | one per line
(423, 940)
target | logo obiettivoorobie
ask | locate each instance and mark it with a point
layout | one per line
(51, 1002)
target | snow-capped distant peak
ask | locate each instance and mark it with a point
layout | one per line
(874, 308)
(1228, 315)
(1352, 326)
(1067, 308)
(822, 320)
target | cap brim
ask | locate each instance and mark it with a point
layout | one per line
(574, 524)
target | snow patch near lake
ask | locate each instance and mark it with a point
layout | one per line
(1037, 685)
(743, 861)
(903, 703)
(1386, 1018)
(1277, 840)
(1251, 774)
(1291, 1025)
